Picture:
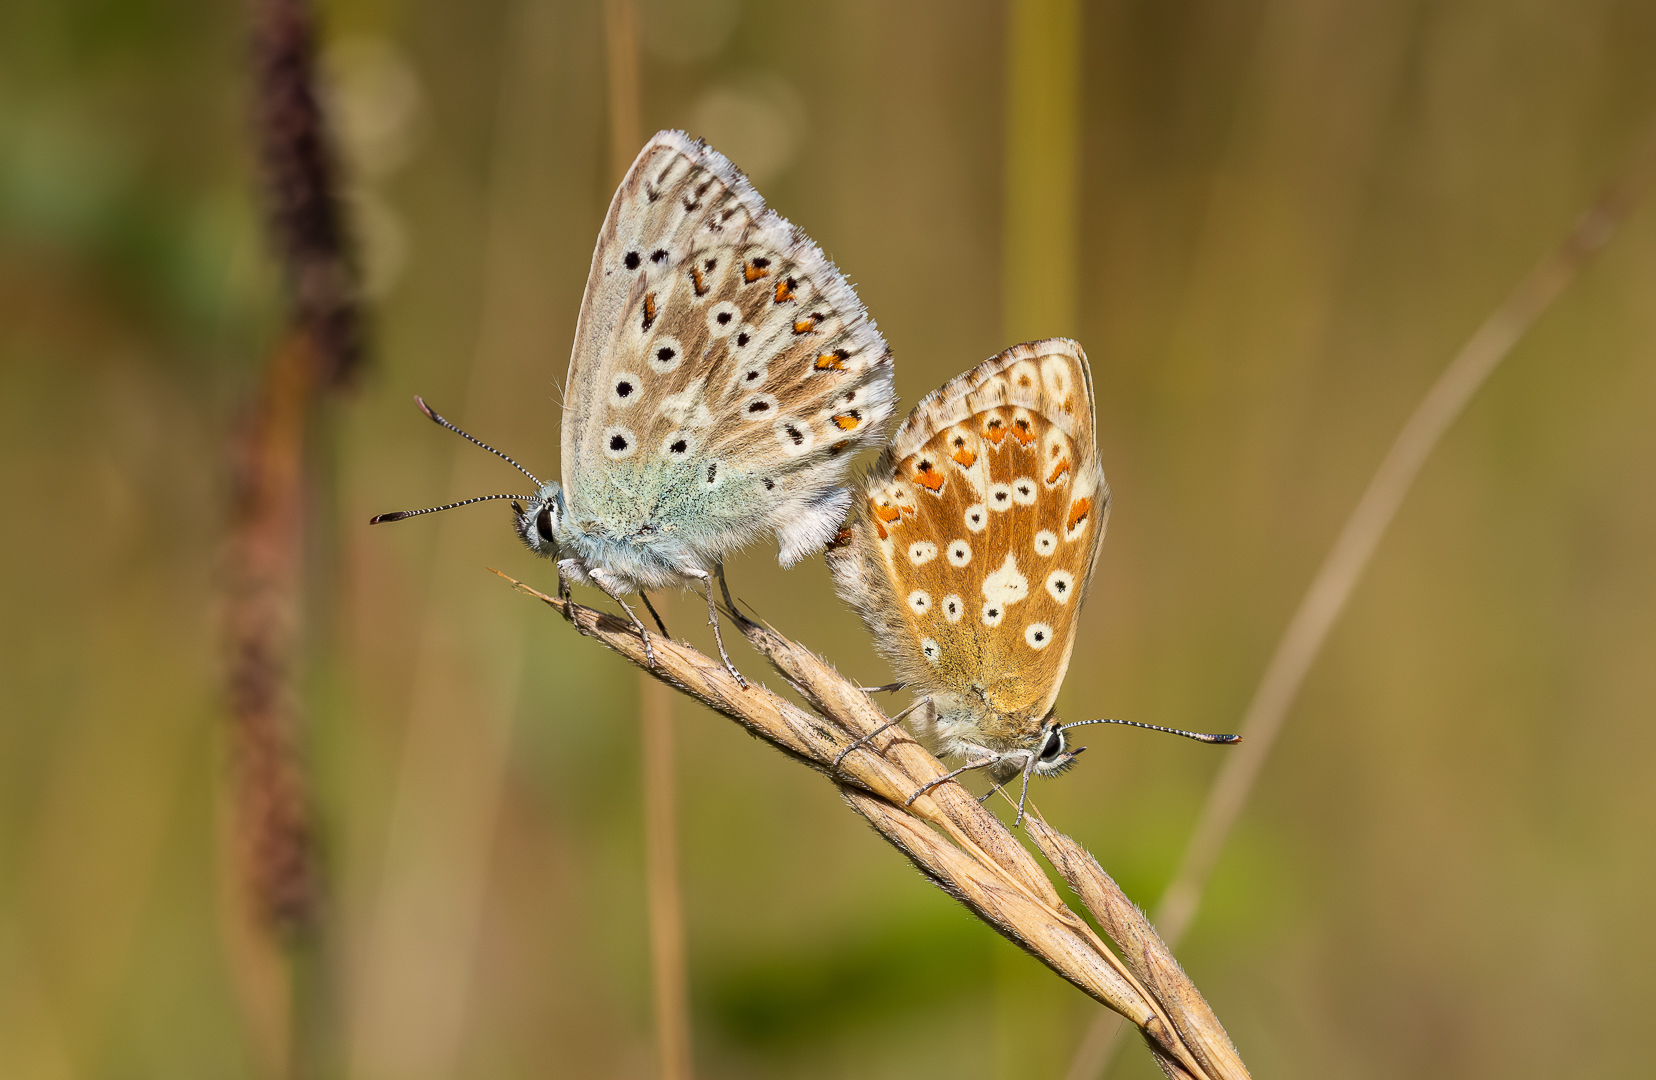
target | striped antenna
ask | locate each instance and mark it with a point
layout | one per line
(429, 411)
(400, 514)
(1197, 735)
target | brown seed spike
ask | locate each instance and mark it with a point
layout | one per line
(649, 310)
(785, 290)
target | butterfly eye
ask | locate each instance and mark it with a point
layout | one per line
(543, 524)
(1054, 746)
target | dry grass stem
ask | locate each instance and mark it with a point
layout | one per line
(1329, 591)
(953, 840)
(668, 968)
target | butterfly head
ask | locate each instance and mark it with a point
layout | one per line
(1053, 754)
(542, 522)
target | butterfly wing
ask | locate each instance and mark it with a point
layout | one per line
(975, 534)
(724, 372)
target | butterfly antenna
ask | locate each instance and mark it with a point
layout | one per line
(400, 514)
(429, 411)
(1197, 735)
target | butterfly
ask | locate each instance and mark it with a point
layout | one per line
(723, 375)
(969, 550)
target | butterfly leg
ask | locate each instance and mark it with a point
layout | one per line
(724, 587)
(644, 596)
(713, 621)
(613, 593)
(888, 688)
(888, 725)
(565, 592)
(946, 777)
(1023, 796)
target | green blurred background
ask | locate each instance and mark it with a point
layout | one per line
(1291, 214)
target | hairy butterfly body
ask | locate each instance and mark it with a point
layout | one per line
(722, 377)
(970, 546)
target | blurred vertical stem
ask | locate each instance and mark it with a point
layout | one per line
(272, 837)
(1039, 237)
(1039, 264)
(655, 700)
(1332, 586)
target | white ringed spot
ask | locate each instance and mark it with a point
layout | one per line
(931, 650)
(1023, 491)
(619, 442)
(665, 354)
(795, 436)
(1038, 635)
(953, 607)
(759, 407)
(977, 517)
(625, 388)
(919, 601)
(960, 553)
(1060, 585)
(993, 612)
(922, 552)
(1046, 542)
(678, 446)
(750, 377)
(723, 319)
(1000, 497)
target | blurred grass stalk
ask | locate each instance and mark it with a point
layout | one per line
(962, 847)
(276, 926)
(1040, 237)
(1343, 567)
(668, 968)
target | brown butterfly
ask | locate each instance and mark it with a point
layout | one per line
(969, 549)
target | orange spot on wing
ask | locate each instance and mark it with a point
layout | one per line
(995, 430)
(848, 421)
(697, 280)
(649, 309)
(928, 477)
(1058, 470)
(754, 269)
(965, 457)
(1022, 432)
(832, 361)
(880, 530)
(784, 290)
(1079, 510)
(805, 325)
(886, 513)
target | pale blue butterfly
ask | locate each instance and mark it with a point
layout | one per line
(724, 374)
